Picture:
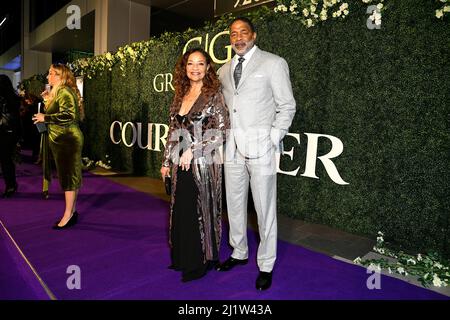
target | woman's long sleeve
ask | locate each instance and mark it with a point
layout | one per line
(67, 108)
(171, 142)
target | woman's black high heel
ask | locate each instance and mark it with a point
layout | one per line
(45, 195)
(72, 221)
(57, 222)
(211, 264)
(9, 192)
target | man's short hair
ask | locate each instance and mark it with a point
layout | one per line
(246, 20)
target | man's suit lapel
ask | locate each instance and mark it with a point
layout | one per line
(252, 64)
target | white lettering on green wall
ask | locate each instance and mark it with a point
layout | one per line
(131, 133)
(162, 82)
(210, 47)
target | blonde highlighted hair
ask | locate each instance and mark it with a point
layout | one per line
(68, 80)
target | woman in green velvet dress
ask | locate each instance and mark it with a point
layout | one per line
(63, 138)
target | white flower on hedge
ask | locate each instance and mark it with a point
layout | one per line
(305, 12)
(419, 257)
(447, 9)
(103, 165)
(357, 260)
(437, 282)
(401, 270)
(438, 265)
(309, 22)
(378, 249)
(376, 17)
(439, 14)
(130, 50)
(108, 56)
(323, 17)
(312, 8)
(345, 12)
(412, 261)
(389, 269)
(380, 6)
(343, 6)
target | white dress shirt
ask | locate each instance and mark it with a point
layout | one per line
(247, 57)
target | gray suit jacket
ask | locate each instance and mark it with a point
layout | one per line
(261, 107)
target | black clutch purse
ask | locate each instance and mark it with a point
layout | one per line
(41, 127)
(168, 185)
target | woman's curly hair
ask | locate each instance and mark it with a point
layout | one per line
(182, 83)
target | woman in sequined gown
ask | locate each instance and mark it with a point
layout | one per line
(193, 158)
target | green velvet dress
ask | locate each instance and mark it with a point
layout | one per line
(64, 138)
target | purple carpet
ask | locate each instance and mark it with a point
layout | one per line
(17, 281)
(120, 246)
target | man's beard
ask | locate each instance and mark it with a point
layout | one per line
(248, 47)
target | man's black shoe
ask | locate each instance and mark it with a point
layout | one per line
(264, 280)
(230, 263)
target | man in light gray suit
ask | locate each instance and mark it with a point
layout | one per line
(258, 93)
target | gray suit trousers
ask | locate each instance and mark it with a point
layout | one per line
(261, 174)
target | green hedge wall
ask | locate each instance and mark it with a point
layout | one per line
(384, 93)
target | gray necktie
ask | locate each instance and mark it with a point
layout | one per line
(238, 71)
